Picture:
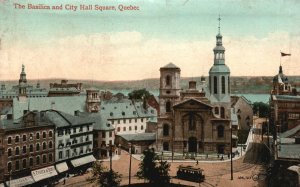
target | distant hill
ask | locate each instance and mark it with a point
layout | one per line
(238, 84)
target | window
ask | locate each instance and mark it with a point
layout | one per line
(166, 130)
(142, 120)
(9, 151)
(67, 154)
(30, 136)
(44, 145)
(111, 114)
(118, 129)
(50, 158)
(50, 145)
(9, 140)
(24, 163)
(222, 112)
(223, 85)
(24, 138)
(130, 128)
(217, 110)
(74, 130)
(135, 120)
(118, 121)
(9, 167)
(103, 134)
(37, 136)
(50, 134)
(135, 127)
(37, 147)
(110, 134)
(123, 113)
(81, 129)
(166, 146)
(192, 122)
(31, 148)
(88, 128)
(44, 159)
(215, 85)
(30, 162)
(24, 149)
(17, 139)
(37, 160)
(60, 155)
(129, 120)
(17, 165)
(17, 151)
(220, 129)
(168, 80)
(168, 106)
(124, 128)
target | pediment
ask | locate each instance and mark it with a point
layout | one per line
(192, 104)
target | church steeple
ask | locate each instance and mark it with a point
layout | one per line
(23, 75)
(219, 50)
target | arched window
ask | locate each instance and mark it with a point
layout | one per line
(223, 85)
(50, 145)
(37, 135)
(217, 110)
(30, 162)
(44, 134)
(168, 80)
(44, 159)
(215, 85)
(50, 134)
(37, 147)
(24, 149)
(9, 151)
(166, 130)
(220, 129)
(228, 85)
(50, 157)
(17, 151)
(24, 138)
(9, 167)
(37, 160)
(168, 106)
(9, 140)
(24, 164)
(17, 165)
(192, 122)
(166, 146)
(44, 146)
(222, 112)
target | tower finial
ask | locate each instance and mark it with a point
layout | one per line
(219, 23)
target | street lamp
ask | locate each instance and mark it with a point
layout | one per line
(109, 148)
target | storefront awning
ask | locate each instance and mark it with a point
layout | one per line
(61, 167)
(83, 160)
(19, 182)
(43, 173)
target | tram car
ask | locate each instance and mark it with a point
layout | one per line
(190, 173)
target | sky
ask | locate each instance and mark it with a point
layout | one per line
(133, 45)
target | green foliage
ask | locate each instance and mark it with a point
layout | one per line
(104, 177)
(261, 109)
(139, 94)
(151, 170)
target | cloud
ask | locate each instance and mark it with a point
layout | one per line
(130, 55)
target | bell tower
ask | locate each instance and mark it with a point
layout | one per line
(219, 79)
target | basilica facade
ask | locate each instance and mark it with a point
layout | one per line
(196, 120)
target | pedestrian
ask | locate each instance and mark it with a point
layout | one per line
(206, 155)
(218, 156)
(197, 162)
(228, 155)
(222, 158)
(64, 181)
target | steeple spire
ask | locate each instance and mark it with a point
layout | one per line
(219, 24)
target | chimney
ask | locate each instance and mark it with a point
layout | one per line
(192, 85)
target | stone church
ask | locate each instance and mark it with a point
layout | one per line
(192, 120)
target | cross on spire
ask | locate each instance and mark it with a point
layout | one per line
(219, 24)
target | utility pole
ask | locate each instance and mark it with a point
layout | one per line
(110, 157)
(231, 167)
(130, 155)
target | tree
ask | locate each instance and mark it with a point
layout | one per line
(139, 94)
(151, 171)
(261, 109)
(104, 177)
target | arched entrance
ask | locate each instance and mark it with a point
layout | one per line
(192, 144)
